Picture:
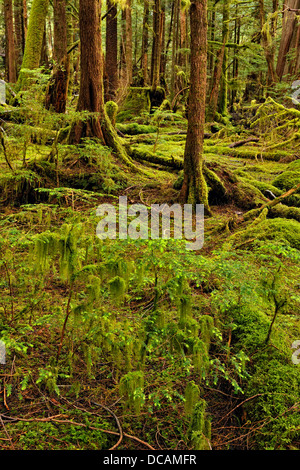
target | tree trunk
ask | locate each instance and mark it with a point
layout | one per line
(268, 45)
(20, 16)
(157, 42)
(175, 28)
(10, 52)
(126, 46)
(34, 41)
(57, 92)
(111, 53)
(289, 29)
(91, 96)
(223, 94)
(145, 45)
(194, 190)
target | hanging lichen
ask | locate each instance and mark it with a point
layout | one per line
(132, 388)
(192, 395)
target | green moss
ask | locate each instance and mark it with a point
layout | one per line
(277, 229)
(281, 210)
(134, 129)
(287, 180)
(136, 103)
(34, 40)
(276, 385)
(112, 111)
(246, 196)
(294, 166)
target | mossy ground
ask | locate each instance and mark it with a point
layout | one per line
(153, 323)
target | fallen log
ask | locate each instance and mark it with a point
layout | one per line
(243, 142)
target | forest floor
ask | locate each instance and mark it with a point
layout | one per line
(110, 344)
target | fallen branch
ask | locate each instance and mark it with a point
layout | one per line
(74, 423)
(255, 212)
(243, 142)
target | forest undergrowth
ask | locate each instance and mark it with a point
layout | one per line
(142, 344)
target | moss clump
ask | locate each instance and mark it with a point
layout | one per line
(287, 180)
(112, 111)
(134, 129)
(277, 388)
(246, 196)
(261, 185)
(295, 166)
(136, 103)
(281, 210)
(278, 229)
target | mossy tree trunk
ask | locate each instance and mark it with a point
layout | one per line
(194, 189)
(220, 72)
(91, 96)
(223, 97)
(34, 40)
(57, 92)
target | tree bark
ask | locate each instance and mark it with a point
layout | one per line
(194, 189)
(126, 46)
(10, 54)
(145, 45)
(111, 52)
(268, 46)
(289, 29)
(157, 43)
(91, 96)
(57, 92)
(20, 16)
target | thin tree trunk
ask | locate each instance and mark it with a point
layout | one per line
(157, 42)
(223, 93)
(194, 190)
(10, 55)
(145, 45)
(57, 93)
(111, 53)
(174, 48)
(20, 16)
(126, 46)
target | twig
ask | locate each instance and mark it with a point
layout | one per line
(65, 323)
(117, 421)
(5, 430)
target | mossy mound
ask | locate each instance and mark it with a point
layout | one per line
(277, 229)
(135, 129)
(263, 186)
(276, 386)
(287, 180)
(137, 103)
(281, 210)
